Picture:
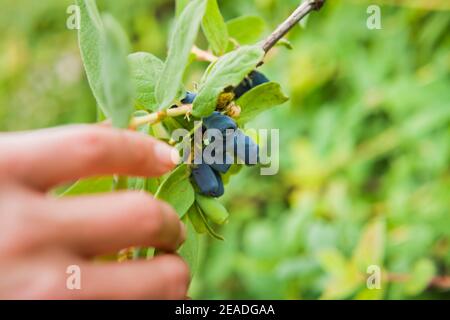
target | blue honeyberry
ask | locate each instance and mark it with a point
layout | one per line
(208, 181)
(221, 167)
(189, 98)
(242, 88)
(245, 148)
(218, 158)
(224, 164)
(254, 79)
(220, 122)
(257, 78)
(221, 189)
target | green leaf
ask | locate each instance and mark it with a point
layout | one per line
(246, 29)
(180, 45)
(423, 271)
(259, 99)
(189, 251)
(215, 29)
(370, 249)
(177, 190)
(145, 72)
(89, 38)
(229, 70)
(89, 186)
(196, 219)
(117, 84)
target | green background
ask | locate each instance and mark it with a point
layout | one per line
(365, 152)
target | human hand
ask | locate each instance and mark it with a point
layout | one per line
(41, 235)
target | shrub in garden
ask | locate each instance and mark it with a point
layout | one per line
(141, 92)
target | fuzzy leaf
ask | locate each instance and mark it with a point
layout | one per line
(214, 28)
(229, 70)
(89, 38)
(145, 72)
(179, 6)
(180, 45)
(259, 99)
(117, 84)
(177, 190)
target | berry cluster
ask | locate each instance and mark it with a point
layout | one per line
(208, 175)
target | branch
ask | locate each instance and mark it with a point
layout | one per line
(302, 11)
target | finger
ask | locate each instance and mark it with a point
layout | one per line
(164, 277)
(49, 157)
(102, 224)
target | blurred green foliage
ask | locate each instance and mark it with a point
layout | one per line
(365, 150)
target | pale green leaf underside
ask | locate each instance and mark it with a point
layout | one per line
(259, 99)
(180, 5)
(214, 28)
(117, 84)
(177, 190)
(103, 47)
(89, 37)
(180, 45)
(89, 186)
(229, 70)
(246, 29)
(145, 72)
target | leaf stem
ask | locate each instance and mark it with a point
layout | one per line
(158, 116)
(302, 11)
(203, 55)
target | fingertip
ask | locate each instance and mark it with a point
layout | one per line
(179, 274)
(166, 155)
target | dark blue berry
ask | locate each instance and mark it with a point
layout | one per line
(220, 190)
(245, 148)
(224, 163)
(189, 98)
(257, 78)
(219, 121)
(221, 167)
(208, 181)
(254, 79)
(242, 88)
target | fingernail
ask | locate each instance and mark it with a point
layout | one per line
(182, 234)
(166, 154)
